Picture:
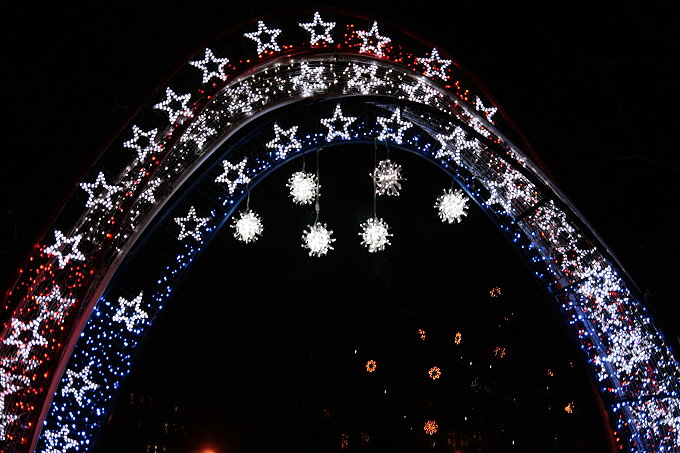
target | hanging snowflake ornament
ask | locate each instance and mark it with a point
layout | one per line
(248, 227)
(387, 176)
(303, 187)
(317, 239)
(374, 234)
(452, 206)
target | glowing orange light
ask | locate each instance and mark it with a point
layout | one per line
(550, 372)
(430, 427)
(569, 408)
(499, 352)
(435, 372)
(457, 339)
(422, 334)
(495, 292)
(371, 365)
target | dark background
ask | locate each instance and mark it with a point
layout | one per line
(593, 89)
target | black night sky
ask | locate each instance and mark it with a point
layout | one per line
(592, 89)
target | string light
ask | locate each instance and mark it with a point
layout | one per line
(176, 113)
(317, 239)
(191, 225)
(372, 41)
(241, 177)
(302, 186)
(269, 43)
(130, 312)
(248, 226)
(422, 334)
(375, 234)
(70, 244)
(332, 122)
(393, 128)
(458, 338)
(143, 143)
(284, 142)
(452, 206)
(78, 383)
(435, 66)
(387, 177)
(211, 66)
(313, 29)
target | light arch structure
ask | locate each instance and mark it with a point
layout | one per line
(277, 89)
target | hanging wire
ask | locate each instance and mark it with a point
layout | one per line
(248, 196)
(375, 166)
(317, 205)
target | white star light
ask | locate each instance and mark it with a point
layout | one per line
(310, 80)
(316, 34)
(241, 178)
(375, 235)
(143, 142)
(6, 420)
(435, 66)
(148, 193)
(25, 343)
(453, 143)
(386, 177)
(130, 312)
(177, 106)
(78, 383)
(363, 78)
(420, 92)
(211, 66)
(452, 206)
(270, 43)
(9, 384)
(199, 132)
(248, 227)
(59, 442)
(242, 98)
(487, 111)
(284, 142)
(73, 254)
(317, 239)
(99, 193)
(191, 219)
(303, 187)
(393, 127)
(331, 123)
(373, 42)
(54, 304)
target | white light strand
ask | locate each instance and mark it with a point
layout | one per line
(199, 132)
(362, 78)
(317, 239)
(267, 43)
(387, 178)
(303, 187)
(314, 30)
(455, 142)
(375, 234)
(488, 112)
(247, 227)
(452, 206)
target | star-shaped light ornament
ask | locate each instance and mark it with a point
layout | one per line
(387, 176)
(6, 420)
(234, 175)
(488, 112)
(130, 312)
(303, 187)
(99, 193)
(144, 143)
(284, 141)
(199, 132)
(242, 98)
(363, 78)
(60, 442)
(54, 305)
(310, 80)
(211, 66)
(421, 92)
(372, 41)
(191, 225)
(393, 128)
(78, 383)
(247, 227)
(435, 66)
(62, 245)
(453, 143)
(148, 194)
(452, 206)
(319, 30)
(268, 42)
(176, 106)
(337, 121)
(10, 383)
(317, 239)
(375, 234)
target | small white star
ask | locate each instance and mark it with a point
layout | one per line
(393, 127)
(143, 142)
(241, 177)
(363, 78)
(99, 193)
(59, 442)
(420, 92)
(148, 194)
(9, 384)
(133, 308)
(191, 219)
(199, 132)
(73, 254)
(25, 343)
(331, 123)
(316, 34)
(78, 383)
(373, 41)
(269, 43)
(211, 66)
(6, 420)
(12, 363)
(487, 111)
(435, 66)
(310, 80)
(54, 304)
(284, 142)
(241, 98)
(454, 143)
(177, 106)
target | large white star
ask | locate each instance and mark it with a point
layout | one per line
(54, 304)
(177, 106)
(25, 343)
(363, 78)
(420, 92)
(73, 254)
(487, 111)
(314, 29)
(435, 66)
(453, 143)
(284, 142)
(393, 127)
(59, 442)
(130, 312)
(241, 177)
(211, 66)
(331, 123)
(191, 219)
(78, 383)
(99, 193)
(373, 41)
(143, 142)
(310, 80)
(264, 45)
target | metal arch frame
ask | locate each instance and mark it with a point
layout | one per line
(532, 223)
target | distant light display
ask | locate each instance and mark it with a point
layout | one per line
(371, 366)
(435, 373)
(430, 427)
(495, 292)
(458, 338)
(422, 334)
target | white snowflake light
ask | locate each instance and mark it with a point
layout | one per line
(452, 206)
(176, 106)
(78, 383)
(435, 66)
(314, 28)
(233, 182)
(266, 43)
(373, 41)
(387, 176)
(191, 225)
(247, 227)
(284, 142)
(317, 239)
(375, 235)
(393, 128)
(62, 244)
(211, 66)
(335, 122)
(99, 193)
(130, 312)
(303, 187)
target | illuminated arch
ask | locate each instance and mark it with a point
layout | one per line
(78, 310)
